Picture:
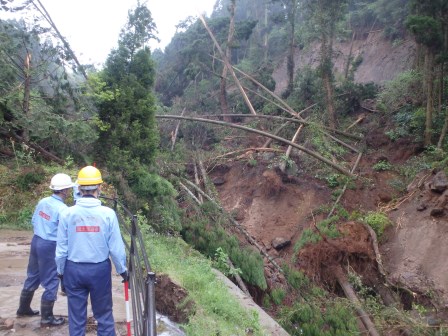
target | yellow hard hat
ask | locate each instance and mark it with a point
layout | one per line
(88, 176)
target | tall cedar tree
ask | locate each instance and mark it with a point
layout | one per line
(128, 139)
(426, 25)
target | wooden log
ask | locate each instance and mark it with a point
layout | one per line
(351, 295)
(304, 149)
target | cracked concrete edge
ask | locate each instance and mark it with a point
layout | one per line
(270, 326)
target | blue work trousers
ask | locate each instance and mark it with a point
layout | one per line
(80, 280)
(42, 268)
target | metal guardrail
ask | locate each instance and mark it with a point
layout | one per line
(141, 279)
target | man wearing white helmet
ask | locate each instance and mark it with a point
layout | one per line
(42, 266)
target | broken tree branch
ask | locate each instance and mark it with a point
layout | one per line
(345, 186)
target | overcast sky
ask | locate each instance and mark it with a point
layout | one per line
(92, 26)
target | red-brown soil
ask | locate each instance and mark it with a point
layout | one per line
(273, 205)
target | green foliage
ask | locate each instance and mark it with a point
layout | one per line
(378, 221)
(50, 117)
(333, 180)
(402, 92)
(29, 177)
(382, 165)
(215, 311)
(314, 318)
(220, 261)
(207, 237)
(427, 30)
(309, 236)
(349, 95)
(277, 295)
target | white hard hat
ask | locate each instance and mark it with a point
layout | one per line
(60, 182)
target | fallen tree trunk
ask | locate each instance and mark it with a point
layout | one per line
(351, 295)
(306, 150)
(46, 154)
(300, 121)
(345, 186)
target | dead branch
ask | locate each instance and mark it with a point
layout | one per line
(304, 149)
(351, 295)
(46, 154)
(238, 279)
(361, 118)
(252, 149)
(345, 186)
(196, 179)
(288, 151)
(228, 65)
(237, 225)
(174, 137)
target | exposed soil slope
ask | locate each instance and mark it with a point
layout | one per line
(276, 207)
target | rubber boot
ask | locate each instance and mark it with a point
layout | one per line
(25, 301)
(47, 317)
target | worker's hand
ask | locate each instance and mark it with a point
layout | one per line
(125, 276)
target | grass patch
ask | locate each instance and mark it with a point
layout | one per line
(216, 313)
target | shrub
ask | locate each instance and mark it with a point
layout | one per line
(277, 295)
(30, 177)
(314, 318)
(378, 221)
(382, 166)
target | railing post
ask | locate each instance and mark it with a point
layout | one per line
(149, 328)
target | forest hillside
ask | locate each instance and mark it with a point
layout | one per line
(299, 146)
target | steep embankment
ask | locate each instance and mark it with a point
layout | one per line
(379, 59)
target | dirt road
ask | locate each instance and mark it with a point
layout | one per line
(14, 252)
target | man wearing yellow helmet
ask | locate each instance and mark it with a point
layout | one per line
(88, 235)
(41, 266)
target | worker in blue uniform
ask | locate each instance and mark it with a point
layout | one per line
(88, 235)
(41, 266)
